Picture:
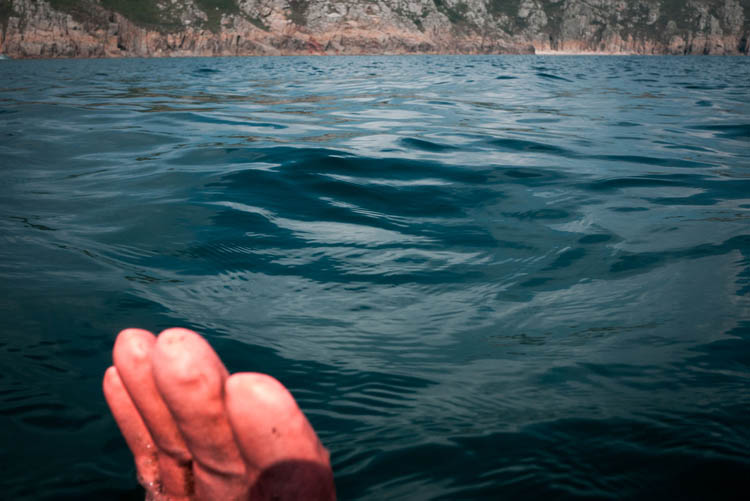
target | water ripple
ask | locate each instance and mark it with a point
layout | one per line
(481, 276)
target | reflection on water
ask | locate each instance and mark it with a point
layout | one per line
(482, 277)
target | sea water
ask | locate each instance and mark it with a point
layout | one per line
(482, 277)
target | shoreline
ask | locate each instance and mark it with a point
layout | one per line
(595, 53)
(5, 57)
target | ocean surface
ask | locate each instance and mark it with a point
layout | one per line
(491, 277)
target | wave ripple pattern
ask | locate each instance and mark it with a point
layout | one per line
(483, 277)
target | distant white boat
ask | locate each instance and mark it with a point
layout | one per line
(3, 56)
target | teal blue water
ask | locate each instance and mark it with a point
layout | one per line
(482, 277)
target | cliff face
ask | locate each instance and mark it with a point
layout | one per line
(637, 26)
(127, 28)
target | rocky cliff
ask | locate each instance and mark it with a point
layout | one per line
(127, 28)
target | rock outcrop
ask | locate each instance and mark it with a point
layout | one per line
(638, 26)
(145, 28)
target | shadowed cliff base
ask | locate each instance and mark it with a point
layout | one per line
(146, 28)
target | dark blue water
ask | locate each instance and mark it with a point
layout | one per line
(482, 277)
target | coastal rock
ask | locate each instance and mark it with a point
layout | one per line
(106, 28)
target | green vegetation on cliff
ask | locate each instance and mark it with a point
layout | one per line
(159, 16)
(142, 12)
(6, 9)
(298, 11)
(503, 7)
(214, 9)
(456, 13)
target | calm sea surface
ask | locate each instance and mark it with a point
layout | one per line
(482, 277)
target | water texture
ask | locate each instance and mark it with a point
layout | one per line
(482, 277)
